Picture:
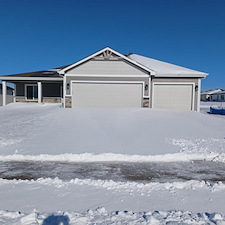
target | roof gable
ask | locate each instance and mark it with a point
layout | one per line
(106, 53)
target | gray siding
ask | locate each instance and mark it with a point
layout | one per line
(9, 96)
(9, 99)
(51, 89)
(20, 89)
(104, 67)
(180, 80)
(48, 89)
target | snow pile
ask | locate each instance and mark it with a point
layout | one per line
(110, 157)
(130, 187)
(101, 216)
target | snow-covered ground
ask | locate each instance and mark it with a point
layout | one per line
(32, 132)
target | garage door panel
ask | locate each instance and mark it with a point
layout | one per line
(106, 95)
(173, 96)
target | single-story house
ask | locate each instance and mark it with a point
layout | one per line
(9, 95)
(218, 97)
(206, 95)
(108, 79)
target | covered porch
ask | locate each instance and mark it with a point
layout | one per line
(40, 87)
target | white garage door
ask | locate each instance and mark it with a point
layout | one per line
(173, 96)
(106, 95)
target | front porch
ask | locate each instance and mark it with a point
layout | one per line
(40, 87)
(40, 91)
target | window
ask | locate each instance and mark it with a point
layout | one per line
(32, 92)
(222, 97)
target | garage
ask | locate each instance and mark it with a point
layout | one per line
(173, 96)
(106, 95)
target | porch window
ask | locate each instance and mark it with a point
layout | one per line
(32, 92)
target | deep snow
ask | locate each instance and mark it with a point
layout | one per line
(50, 133)
(48, 129)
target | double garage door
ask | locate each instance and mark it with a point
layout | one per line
(173, 96)
(114, 95)
(106, 95)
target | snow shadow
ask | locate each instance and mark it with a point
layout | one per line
(56, 220)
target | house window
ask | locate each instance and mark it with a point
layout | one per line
(222, 97)
(31, 92)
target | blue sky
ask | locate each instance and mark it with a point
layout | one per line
(43, 34)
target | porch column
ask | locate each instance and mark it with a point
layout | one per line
(39, 92)
(199, 95)
(4, 93)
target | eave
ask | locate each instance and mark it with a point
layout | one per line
(14, 78)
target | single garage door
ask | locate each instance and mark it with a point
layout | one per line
(106, 95)
(173, 96)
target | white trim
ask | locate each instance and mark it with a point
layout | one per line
(4, 93)
(199, 95)
(110, 82)
(106, 75)
(193, 75)
(39, 92)
(64, 92)
(176, 83)
(14, 93)
(30, 100)
(31, 78)
(149, 90)
(103, 50)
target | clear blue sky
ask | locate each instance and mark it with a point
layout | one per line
(43, 34)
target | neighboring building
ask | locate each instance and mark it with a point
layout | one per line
(218, 97)
(9, 95)
(206, 95)
(109, 79)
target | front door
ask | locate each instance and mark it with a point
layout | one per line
(31, 92)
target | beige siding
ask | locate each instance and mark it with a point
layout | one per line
(180, 80)
(110, 67)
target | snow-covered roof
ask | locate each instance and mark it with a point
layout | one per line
(219, 92)
(211, 91)
(165, 69)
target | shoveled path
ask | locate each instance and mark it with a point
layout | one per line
(117, 171)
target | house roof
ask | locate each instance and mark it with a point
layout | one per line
(152, 66)
(219, 92)
(37, 75)
(165, 69)
(211, 91)
(43, 73)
